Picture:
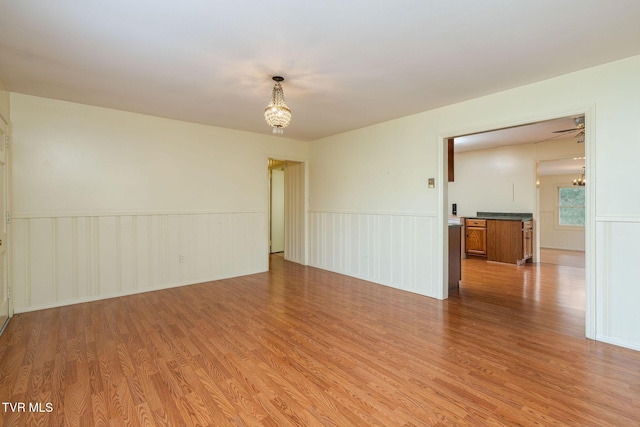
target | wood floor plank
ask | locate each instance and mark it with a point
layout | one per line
(302, 346)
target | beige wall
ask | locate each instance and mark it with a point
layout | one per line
(109, 203)
(73, 158)
(551, 235)
(494, 180)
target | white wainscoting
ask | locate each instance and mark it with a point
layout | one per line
(61, 260)
(395, 250)
(618, 277)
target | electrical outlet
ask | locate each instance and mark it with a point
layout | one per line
(431, 183)
(182, 258)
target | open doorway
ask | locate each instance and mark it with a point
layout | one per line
(287, 218)
(498, 172)
(561, 211)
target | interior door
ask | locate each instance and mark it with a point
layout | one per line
(4, 289)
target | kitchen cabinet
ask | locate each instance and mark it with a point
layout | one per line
(500, 240)
(509, 241)
(476, 237)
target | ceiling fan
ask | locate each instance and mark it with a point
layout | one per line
(579, 122)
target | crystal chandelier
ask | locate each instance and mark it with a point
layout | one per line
(580, 181)
(277, 114)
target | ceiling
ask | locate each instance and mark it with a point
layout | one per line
(347, 64)
(549, 130)
(532, 133)
(562, 167)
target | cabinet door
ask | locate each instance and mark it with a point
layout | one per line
(504, 241)
(476, 241)
(527, 243)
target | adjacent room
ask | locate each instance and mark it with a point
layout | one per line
(241, 213)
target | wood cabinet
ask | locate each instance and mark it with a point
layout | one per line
(509, 241)
(476, 237)
(500, 240)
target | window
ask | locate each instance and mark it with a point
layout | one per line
(571, 206)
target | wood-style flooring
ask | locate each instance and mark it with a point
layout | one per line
(562, 257)
(303, 346)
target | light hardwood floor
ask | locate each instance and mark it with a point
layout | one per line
(562, 257)
(302, 346)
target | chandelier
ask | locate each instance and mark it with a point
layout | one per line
(277, 114)
(580, 181)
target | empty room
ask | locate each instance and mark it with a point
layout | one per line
(358, 213)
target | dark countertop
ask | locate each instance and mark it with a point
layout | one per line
(506, 216)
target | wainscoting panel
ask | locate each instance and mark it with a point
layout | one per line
(618, 255)
(69, 259)
(393, 250)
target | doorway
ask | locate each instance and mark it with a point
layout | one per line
(5, 290)
(511, 167)
(561, 210)
(287, 209)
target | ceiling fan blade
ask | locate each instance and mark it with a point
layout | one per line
(566, 130)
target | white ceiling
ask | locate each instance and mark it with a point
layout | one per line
(347, 64)
(562, 167)
(530, 134)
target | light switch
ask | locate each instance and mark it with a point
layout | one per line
(432, 182)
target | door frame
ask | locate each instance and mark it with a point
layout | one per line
(5, 216)
(271, 210)
(590, 221)
(305, 228)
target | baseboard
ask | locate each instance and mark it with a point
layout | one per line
(618, 342)
(125, 293)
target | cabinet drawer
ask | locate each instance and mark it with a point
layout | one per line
(476, 222)
(527, 225)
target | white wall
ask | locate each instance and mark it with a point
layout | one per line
(503, 179)
(552, 236)
(108, 202)
(494, 180)
(371, 186)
